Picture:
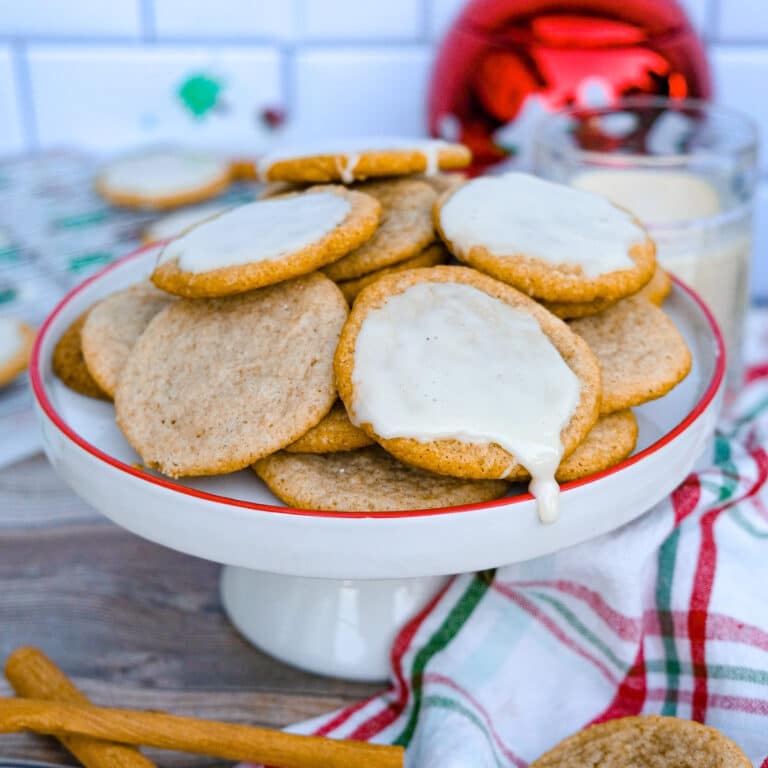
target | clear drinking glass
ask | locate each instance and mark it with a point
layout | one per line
(687, 169)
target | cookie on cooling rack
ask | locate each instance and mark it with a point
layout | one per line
(212, 385)
(641, 353)
(266, 242)
(16, 342)
(351, 160)
(367, 480)
(551, 241)
(113, 326)
(163, 179)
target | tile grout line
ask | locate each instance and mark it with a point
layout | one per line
(24, 99)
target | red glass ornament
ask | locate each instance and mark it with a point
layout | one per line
(506, 62)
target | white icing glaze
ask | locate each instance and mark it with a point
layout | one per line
(445, 360)
(519, 214)
(260, 231)
(176, 223)
(349, 151)
(11, 339)
(160, 174)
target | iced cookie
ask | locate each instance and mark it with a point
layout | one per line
(334, 433)
(277, 188)
(266, 242)
(163, 179)
(359, 159)
(659, 287)
(647, 741)
(69, 364)
(430, 257)
(368, 480)
(642, 354)
(405, 228)
(551, 241)
(178, 222)
(113, 326)
(610, 441)
(457, 373)
(16, 342)
(212, 385)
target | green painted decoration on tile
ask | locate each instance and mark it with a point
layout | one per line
(200, 93)
(87, 260)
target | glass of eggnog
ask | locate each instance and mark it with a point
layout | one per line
(687, 169)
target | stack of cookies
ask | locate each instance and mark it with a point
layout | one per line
(443, 384)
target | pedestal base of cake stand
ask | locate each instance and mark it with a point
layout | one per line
(335, 627)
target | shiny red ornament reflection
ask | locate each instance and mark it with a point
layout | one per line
(506, 62)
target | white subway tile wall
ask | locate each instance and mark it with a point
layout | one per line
(108, 75)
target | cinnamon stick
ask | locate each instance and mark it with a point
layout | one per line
(34, 676)
(188, 734)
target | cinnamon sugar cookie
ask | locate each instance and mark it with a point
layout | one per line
(212, 385)
(113, 326)
(609, 442)
(405, 228)
(334, 433)
(163, 179)
(69, 365)
(646, 741)
(457, 373)
(266, 242)
(550, 241)
(430, 257)
(659, 287)
(641, 353)
(16, 342)
(367, 480)
(174, 224)
(355, 160)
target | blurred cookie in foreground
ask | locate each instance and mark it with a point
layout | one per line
(646, 741)
(349, 160)
(163, 179)
(368, 480)
(16, 342)
(69, 363)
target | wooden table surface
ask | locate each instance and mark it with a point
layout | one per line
(133, 623)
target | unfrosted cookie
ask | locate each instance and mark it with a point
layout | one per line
(351, 160)
(16, 342)
(548, 240)
(405, 228)
(659, 287)
(266, 242)
(646, 741)
(443, 182)
(113, 326)
(655, 290)
(368, 480)
(334, 433)
(163, 179)
(642, 354)
(212, 385)
(479, 458)
(69, 365)
(430, 257)
(178, 222)
(610, 441)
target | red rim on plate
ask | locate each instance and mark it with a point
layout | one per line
(53, 415)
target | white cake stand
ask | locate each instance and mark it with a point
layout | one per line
(327, 591)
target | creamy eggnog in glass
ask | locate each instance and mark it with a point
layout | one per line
(687, 170)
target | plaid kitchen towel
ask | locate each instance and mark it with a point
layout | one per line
(667, 615)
